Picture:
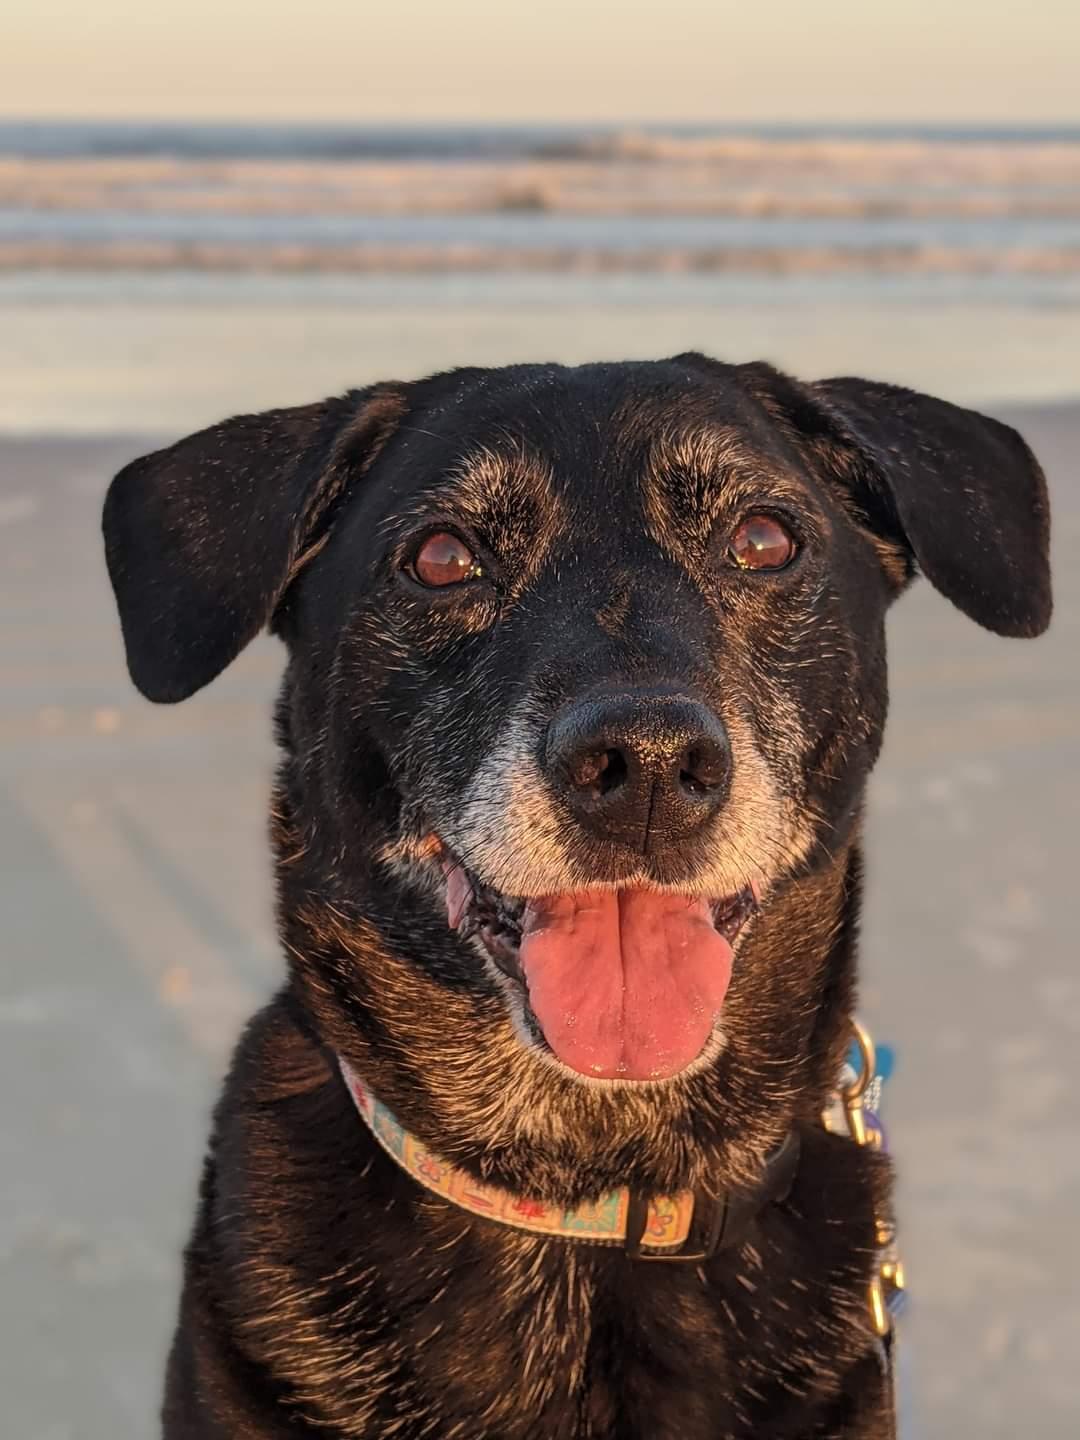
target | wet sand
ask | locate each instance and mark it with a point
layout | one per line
(137, 937)
(97, 354)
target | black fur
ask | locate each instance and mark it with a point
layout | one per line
(326, 1294)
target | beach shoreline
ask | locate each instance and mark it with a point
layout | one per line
(86, 354)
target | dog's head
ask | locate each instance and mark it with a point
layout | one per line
(586, 674)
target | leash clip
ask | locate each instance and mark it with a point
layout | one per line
(886, 1290)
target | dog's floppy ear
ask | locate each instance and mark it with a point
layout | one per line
(964, 493)
(203, 538)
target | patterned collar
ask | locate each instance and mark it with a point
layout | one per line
(663, 1227)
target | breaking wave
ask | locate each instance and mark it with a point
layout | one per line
(426, 199)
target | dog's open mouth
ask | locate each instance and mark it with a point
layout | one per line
(622, 984)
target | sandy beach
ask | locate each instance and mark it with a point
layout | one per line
(137, 938)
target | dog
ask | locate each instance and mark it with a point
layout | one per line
(585, 677)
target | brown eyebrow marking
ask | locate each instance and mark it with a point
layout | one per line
(490, 479)
(505, 493)
(691, 477)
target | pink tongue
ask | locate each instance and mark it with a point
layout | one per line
(624, 984)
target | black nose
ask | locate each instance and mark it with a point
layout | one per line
(639, 767)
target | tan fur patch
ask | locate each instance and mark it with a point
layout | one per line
(694, 478)
(507, 496)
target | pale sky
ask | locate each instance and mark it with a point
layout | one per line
(951, 60)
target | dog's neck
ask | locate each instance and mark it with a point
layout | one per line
(686, 1226)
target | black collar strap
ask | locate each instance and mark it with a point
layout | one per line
(720, 1223)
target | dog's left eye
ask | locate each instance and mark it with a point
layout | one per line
(443, 559)
(761, 543)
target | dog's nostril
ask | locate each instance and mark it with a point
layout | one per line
(704, 767)
(600, 771)
(613, 771)
(690, 782)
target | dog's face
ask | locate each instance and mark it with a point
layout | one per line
(586, 677)
(619, 648)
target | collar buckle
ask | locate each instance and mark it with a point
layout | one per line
(717, 1221)
(702, 1242)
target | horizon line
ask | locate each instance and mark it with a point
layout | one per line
(627, 122)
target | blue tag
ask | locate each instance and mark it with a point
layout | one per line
(885, 1061)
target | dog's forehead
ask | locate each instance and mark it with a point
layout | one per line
(550, 438)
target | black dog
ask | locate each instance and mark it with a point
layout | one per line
(591, 663)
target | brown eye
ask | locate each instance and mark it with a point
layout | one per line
(444, 559)
(761, 543)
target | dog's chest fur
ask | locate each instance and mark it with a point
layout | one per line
(378, 1310)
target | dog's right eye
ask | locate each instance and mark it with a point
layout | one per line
(443, 559)
(761, 543)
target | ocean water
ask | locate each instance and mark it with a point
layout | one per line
(243, 198)
(152, 275)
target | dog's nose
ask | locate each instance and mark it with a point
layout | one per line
(639, 767)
